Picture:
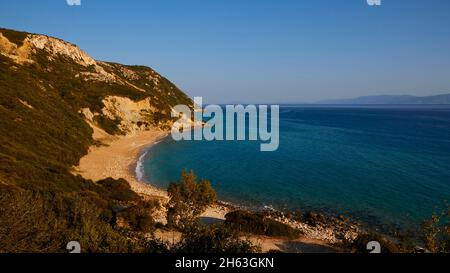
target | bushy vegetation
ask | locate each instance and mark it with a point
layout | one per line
(435, 238)
(213, 239)
(359, 245)
(139, 216)
(436, 232)
(188, 199)
(118, 189)
(35, 222)
(255, 223)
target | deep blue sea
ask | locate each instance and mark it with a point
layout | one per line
(384, 165)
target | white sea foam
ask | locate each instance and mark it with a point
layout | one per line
(140, 167)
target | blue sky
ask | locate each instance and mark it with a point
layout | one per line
(259, 51)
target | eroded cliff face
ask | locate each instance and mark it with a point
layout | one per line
(18, 54)
(22, 53)
(131, 116)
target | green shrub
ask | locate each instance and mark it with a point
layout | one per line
(359, 245)
(139, 216)
(118, 189)
(188, 199)
(213, 239)
(153, 246)
(254, 223)
(38, 222)
(247, 222)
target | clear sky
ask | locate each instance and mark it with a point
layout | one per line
(259, 51)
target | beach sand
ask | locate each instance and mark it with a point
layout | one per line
(117, 158)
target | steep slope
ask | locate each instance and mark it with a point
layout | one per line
(49, 88)
(52, 94)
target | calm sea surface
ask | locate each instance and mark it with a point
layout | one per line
(385, 165)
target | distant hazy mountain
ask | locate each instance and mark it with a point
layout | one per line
(392, 99)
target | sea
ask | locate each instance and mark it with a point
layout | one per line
(387, 166)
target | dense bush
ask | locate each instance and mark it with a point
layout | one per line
(36, 222)
(213, 239)
(255, 223)
(118, 189)
(245, 221)
(188, 199)
(359, 245)
(146, 245)
(139, 217)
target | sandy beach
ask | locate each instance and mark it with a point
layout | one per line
(117, 158)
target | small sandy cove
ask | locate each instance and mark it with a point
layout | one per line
(117, 157)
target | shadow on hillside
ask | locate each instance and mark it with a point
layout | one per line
(210, 220)
(301, 247)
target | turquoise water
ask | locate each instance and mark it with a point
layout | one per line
(383, 165)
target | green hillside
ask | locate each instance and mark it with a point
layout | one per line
(43, 134)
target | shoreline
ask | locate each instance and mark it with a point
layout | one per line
(115, 158)
(327, 232)
(118, 157)
(140, 153)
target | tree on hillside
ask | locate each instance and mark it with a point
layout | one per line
(188, 199)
